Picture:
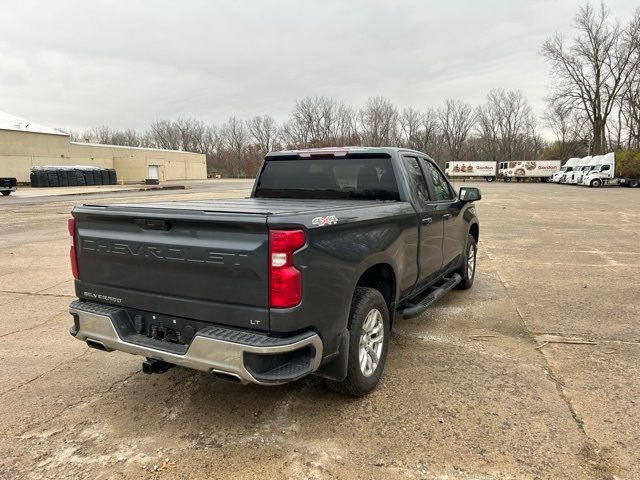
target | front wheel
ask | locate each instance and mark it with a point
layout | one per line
(468, 269)
(6, 193)
(368, 343)
(596, 182)
(507, 179)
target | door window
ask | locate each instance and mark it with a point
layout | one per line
(416, 180)
(441, 190)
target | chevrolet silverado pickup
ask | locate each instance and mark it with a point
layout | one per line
(306, 276)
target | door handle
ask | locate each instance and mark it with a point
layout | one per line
(427, 220)
(446, 216)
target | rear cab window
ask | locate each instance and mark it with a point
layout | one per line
(328, 178)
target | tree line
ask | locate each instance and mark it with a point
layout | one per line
(502, 128)
(593, 106)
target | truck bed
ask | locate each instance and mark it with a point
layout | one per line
(242, 206)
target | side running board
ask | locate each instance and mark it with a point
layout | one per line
(414, 310)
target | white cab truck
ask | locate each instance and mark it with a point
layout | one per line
(474, 169)
(567, 167)
(610, 172)
(529, 169)
(592, 164)
(571, 177)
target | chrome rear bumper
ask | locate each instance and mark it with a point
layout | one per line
(216, 350)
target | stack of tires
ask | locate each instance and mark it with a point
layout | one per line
(58, 176)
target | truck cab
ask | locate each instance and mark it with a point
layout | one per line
(590, 166)
(603, 172)
(566, 168)
(571, 177)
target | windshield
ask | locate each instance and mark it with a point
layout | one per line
(330, 178)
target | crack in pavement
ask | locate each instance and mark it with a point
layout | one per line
(39, 293)
(44, 374)
(554, 378)
(32, 327)
(82, 400)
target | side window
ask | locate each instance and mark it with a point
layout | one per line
(416, 180)
(440, 186)
(605, 167)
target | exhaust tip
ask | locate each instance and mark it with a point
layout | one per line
(97, 345)
(227, 377)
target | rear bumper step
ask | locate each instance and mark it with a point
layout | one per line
(250, 357)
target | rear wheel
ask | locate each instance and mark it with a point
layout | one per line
(468, 269)
(634, 182)
(368, 343)
(507, 179)
(596, 182)
(489, 179)
(6, 192)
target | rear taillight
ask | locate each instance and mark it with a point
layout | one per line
(71, 223)
(285, 280)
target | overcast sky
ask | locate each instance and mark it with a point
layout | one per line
(80, 64)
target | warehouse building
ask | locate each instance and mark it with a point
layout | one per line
(24, 144)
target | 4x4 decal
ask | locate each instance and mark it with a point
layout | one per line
(322, 221)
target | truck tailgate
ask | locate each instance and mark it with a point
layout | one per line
(183, 261)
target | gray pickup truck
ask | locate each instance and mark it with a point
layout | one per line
(305, 276)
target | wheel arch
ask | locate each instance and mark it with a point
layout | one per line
(474, 231)
(382, 277)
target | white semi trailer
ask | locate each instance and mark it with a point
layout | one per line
(474, 169)
(529, 169)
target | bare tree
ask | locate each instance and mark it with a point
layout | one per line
(236, 142)
(164, 134)
(411, 125)
(379, 123)
(457, 118)
(591, 72)
(264, 132)
(127, 137)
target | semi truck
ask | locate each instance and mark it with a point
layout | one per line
(528, 169)
(611, 170)
(570, 177)
(567, 167)
(475, 169)
(592, 164)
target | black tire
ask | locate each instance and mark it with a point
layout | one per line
(365, 301)
(507, 179)
(633, 183)
(595, 183)
(489, 179)
(6, 193)
(463, 271)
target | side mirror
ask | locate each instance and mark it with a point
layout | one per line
(469, 194)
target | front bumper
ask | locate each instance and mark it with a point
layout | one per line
(242, 355)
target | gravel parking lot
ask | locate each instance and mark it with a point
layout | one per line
(533, 373)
